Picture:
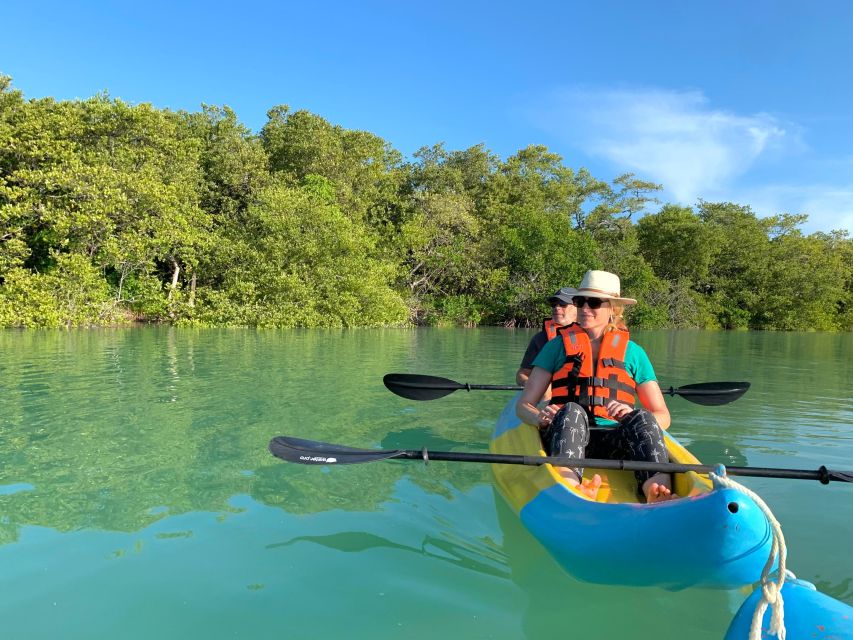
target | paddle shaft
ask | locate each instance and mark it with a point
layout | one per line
(822, 474)
(464, 386)
(672, 391)
(459, 386)
(312, 453)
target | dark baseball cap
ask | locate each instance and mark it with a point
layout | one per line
(563, 294)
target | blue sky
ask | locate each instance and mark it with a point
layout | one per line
(748, 102)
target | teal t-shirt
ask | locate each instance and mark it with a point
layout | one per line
(637, 363)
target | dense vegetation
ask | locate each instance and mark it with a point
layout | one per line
(112, 213)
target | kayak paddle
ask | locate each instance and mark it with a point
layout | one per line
(417, 387)
(312, 452)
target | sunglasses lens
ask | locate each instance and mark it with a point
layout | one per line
(592, 303)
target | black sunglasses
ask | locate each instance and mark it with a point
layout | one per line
(558, 303)
(592, 303)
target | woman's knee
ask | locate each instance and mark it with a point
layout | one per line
(640, 419)
(570, 428)
(641, 414)
(640, 426)
(573, 414)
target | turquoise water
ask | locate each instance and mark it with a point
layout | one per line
(138, 499)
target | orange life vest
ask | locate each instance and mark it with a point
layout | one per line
(592, 388)
(550, 328)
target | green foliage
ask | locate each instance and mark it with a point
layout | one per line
(536, 254)
(439, 239)
(112, 212)
(839, 243)
(298, 261)
(72, 294)
(806, 287)
(233, 162)
(360, 165)
(671, 304)
(462, 310)
(529, 246)
(676, 244)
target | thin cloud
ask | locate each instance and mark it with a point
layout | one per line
(673, 137)
(829, 207)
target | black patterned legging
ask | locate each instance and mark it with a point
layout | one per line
(637, 437)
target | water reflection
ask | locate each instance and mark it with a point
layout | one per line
(17, 487)
(465, 554)
(842, 590)
(555, 599)
(717, 452)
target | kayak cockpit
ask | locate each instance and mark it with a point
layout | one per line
(713, 536)
(616, 487)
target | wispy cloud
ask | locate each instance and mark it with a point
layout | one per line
(828, 206)
(673, 137)
(677, 138)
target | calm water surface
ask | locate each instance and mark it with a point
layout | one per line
(138, 499)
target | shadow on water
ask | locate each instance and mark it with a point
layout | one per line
(419, 437)
(463, 556)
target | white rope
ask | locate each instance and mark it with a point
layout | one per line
(771, 592)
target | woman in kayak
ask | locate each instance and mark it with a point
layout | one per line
(595, 372)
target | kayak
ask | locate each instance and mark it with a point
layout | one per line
(712, 536)
(808, 614)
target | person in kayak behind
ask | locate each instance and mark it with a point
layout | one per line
(562, 313)
(595, 372)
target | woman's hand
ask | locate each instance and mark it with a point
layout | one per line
(546, 416)
(534, 390)
(618, 410)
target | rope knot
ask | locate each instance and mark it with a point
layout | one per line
(777, 618)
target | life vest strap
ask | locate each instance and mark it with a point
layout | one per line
(562, 383)
(613, 362)
(611, 383)
(585, 400)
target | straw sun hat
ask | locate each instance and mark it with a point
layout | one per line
(604, 285)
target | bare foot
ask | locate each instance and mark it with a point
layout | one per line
(587, 487)
(658, 493)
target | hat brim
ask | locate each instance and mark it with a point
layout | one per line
(592, 293)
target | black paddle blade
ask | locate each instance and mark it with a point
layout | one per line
(711, 393)
(312, 452)
(415, 387)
